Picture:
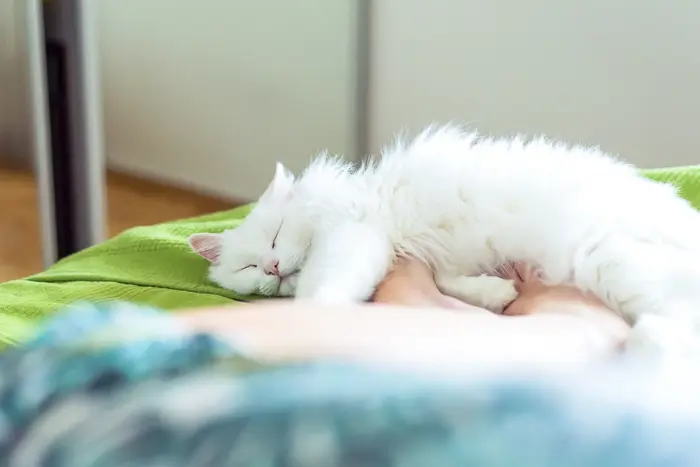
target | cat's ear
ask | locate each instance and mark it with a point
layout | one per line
(281, 184)
(206, 245)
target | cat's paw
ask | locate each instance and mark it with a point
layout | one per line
(490, 292)
(497, 295)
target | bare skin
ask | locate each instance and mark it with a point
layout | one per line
(411, 284)
(409, 325)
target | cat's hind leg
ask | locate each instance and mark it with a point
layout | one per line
(490, 292)
(656, 287)
(636, 278)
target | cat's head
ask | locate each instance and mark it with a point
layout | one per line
(265, 253)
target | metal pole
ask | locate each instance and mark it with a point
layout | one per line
(40, 130)
(73, 109)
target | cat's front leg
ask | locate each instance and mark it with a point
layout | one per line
(345, 265)
(490, 292)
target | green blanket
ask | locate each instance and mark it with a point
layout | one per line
(151, 265)
(154, 265)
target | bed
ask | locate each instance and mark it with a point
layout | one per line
(153, 265)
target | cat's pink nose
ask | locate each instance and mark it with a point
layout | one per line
(272, 268)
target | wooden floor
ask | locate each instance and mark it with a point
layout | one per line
(130, 202)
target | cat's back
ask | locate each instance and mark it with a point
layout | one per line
(453, 156)
(450, 165)
(447, 177)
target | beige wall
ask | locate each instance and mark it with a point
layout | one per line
(214, 91)
(211, 93)
(619, 73)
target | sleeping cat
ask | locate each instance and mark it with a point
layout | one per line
(465, 205)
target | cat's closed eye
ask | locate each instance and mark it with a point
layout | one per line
(274, 240)
(248, 267)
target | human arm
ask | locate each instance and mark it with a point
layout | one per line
(413, 323)
(419, 337)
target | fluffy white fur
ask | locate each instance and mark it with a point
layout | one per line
(465, 205)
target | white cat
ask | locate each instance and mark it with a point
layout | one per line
(465, 205)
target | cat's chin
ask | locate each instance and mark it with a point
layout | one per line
(288, 286)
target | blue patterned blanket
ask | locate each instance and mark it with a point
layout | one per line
(121, 385)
